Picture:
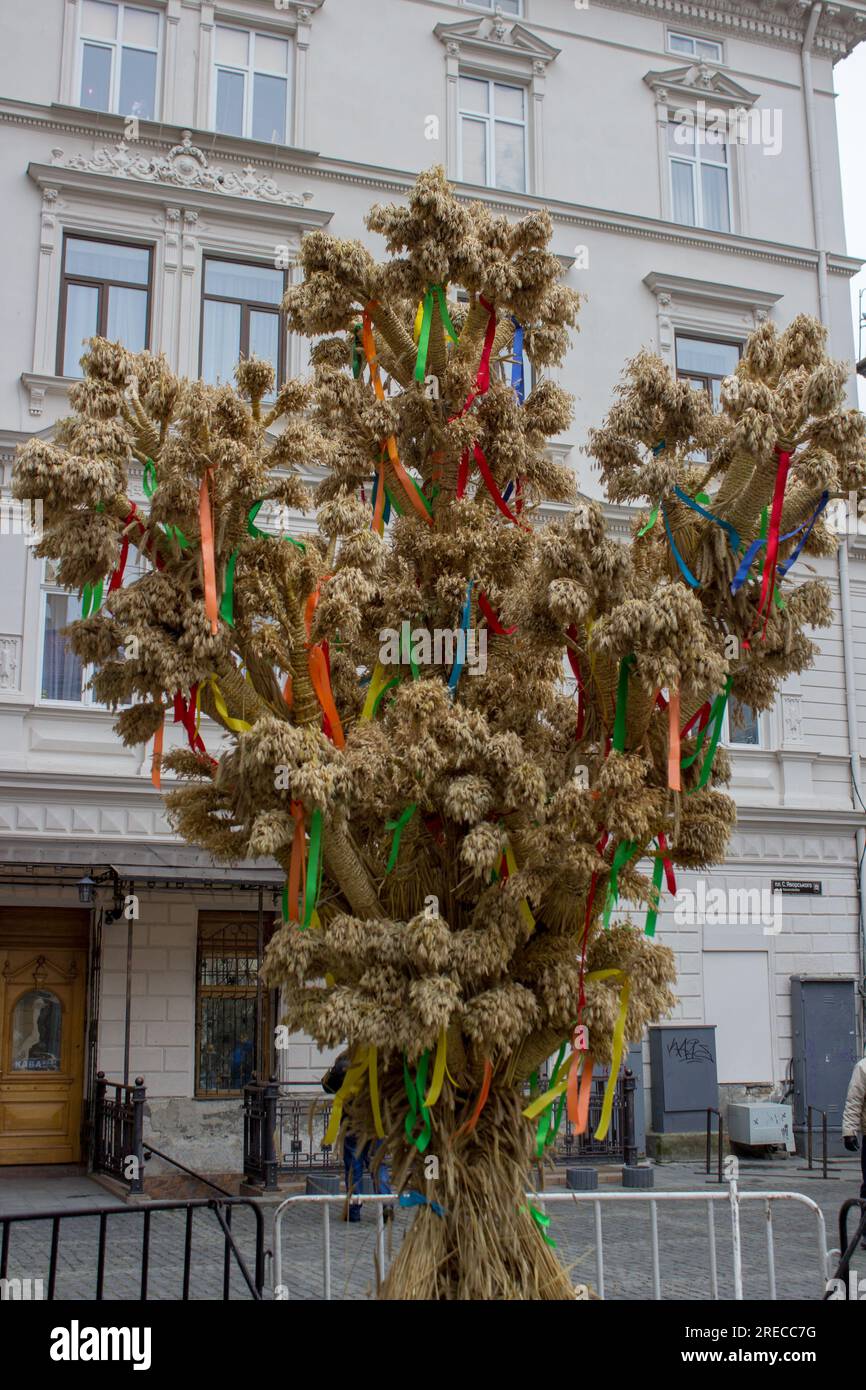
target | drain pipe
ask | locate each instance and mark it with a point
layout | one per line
(842, 549)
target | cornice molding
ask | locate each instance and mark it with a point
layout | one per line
(781, 23)
(397, 183)
(682, 288)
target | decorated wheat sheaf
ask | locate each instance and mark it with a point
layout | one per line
(457, 846)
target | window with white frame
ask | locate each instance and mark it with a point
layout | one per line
(742, 728)
(251, 84)
(699, 174)
(694, 47)
(705, 362)
(118, 58)
(506, 6)
(62, 677)
(492, 118)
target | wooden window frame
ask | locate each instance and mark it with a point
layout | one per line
(246, 306)
(102, 285)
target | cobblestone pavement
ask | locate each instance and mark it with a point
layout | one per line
(682, 1234)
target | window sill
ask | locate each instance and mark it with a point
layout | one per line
(42, 384)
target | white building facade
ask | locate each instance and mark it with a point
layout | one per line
(161, 161)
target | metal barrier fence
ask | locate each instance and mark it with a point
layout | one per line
(221, 1210)
(733, 1198)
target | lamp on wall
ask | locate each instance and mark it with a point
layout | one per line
(86, 886)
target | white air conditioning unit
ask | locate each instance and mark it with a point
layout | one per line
(764, 1124)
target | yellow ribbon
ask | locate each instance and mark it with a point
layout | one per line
(240, 726)
(419, 319)
(525, 910)
(350, 1087)
(438, 1078)
(379, 680)
(373, 1069)
(616, 1047)
(558, 1087)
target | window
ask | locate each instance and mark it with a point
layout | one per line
(700, 193)
(62, 676)
(493, 134)
(37, 1022)
(241, 318)
(742, 727)
(506, 6)
(694, 47)
(251, 94)
(230, 1003)
(105, 291)
(705, 363)
(119, 50)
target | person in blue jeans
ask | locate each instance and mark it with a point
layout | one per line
(355, 1164)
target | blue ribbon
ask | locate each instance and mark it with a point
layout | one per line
(517, 381)
(457, 668)
(782, 569)
(508, 491)
(805, 526)
(686, 572)
(417, 1199)
(732, 534)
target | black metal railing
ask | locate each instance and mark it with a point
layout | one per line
(813, 1110)
(220, 1208)
(620, 1140)
(720, 1153)
(842, 1279)
(118, 1131)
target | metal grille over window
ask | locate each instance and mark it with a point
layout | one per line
(228, 1005)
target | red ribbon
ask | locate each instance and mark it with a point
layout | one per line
(670, 878)
(494, 622)
(117, 577)
(768, 582)
(184, 714)
(490, 484)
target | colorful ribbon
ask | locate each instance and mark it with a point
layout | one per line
(415, 1088)
(469, 1125)
(426, 311)
(620, 713)
(207, 550)
(398, 826)
(517, 381)
(156, 760)
(417, 1199)
(240, 726)
(351, 1085)
(466, 618)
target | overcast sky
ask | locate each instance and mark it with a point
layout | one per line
(851, 115)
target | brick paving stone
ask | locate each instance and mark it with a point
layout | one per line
(682, 1241)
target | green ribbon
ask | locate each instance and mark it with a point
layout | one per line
(149, 479)
(254, 530)
(286, 901)
(175, 533)
(314, 867)
(654, 516)
(547, 1131)
(356, 351)
(398, 826)
(623, 853)
(652, 914)
(718, 714)
(227, 604)
(91, 599)
(426, 324)
(619, 722)
(415, 1092)
(542, 1221)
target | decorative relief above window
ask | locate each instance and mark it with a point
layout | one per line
(185, 166)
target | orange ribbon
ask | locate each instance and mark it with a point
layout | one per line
(406, 483)
(578, 1111)
(317, 664)
(674, 778)
(207, 551)
(470, 1124)
(288, 692)
(156, 760)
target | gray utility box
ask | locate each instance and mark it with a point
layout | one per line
(824, 1019)
(684, 1077)
(758, 1125)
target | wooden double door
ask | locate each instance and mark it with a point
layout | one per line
(43, 992)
